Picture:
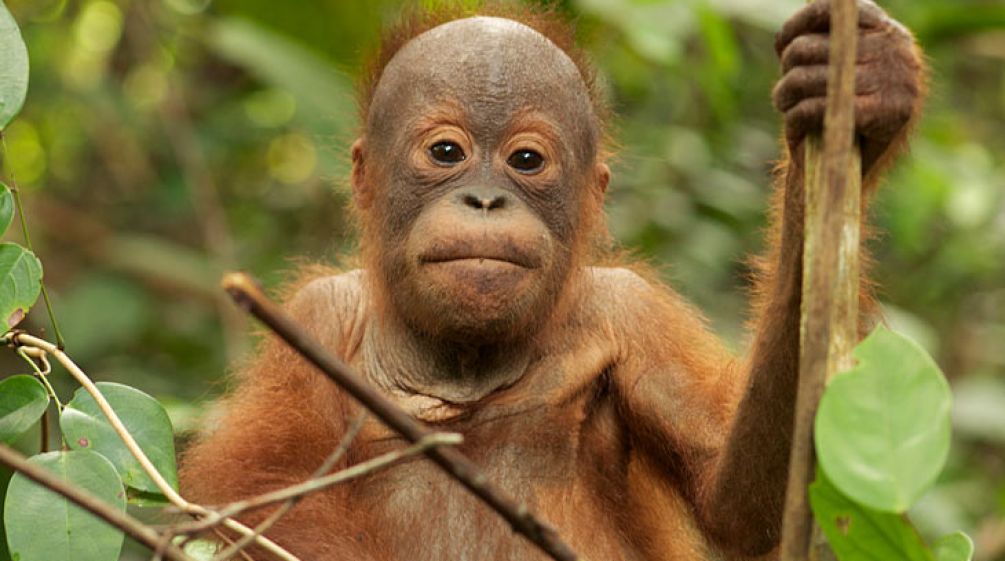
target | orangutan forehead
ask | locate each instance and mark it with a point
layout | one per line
(492, 44)
(487, 64)
(486, 35)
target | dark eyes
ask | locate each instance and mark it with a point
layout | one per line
(450, 153)
(525, 161)
(447, 153)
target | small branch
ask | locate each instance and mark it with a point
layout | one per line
(132, 527)
(426, 443)
(324, 468)
(266, 544)
(113, 418)
(34, 344)
(226, 539)
(44, 432)
(247, 295)
(829, 315)
(43, 375)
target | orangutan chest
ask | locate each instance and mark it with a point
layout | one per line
(534, 454)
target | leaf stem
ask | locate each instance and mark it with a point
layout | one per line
(43, 376)
(27, 241)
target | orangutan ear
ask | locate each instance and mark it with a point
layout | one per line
(361, 190)
(603, 177)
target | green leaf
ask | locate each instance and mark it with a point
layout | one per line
(13, 68)
(23, 400)
(858, 533)
(20, 282)
(6, 207)
(954, 547)
(85, 427)
(45, 526)
(883, 427)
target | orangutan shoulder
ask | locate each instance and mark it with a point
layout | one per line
(331, 307)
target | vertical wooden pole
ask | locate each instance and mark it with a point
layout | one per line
(828, 327)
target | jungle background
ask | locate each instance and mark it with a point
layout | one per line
(166, 141)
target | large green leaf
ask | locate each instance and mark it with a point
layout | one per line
(13, 68)
(23, 400)
(20, 282)
(85, 427)
(6, 207)
(882, 431)
(45, 526)
(858, 533)
(954, 547)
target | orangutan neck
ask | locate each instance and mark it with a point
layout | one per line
(411, 363)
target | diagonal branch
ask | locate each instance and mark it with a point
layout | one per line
(247, 295)
(132, 527)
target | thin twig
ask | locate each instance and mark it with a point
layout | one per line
(20, 339)
(42, 375)
(829, 315)
(43, 439)
(132, 527)
(426, 443)
(247, 295)
(227, 539)
(324, 468)
(113, 418)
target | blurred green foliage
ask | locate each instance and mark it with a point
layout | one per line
(164, 141)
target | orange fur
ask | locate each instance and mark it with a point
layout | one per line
(633, 430)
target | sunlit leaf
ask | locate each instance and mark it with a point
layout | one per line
(954, 547)
(13, 68)
(23, 400)
(85, 427)
(858, 533)
(44, 526)
(20, 282)
(882, 430)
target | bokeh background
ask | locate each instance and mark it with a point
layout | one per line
(166, 141)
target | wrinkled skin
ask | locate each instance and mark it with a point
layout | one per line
(889, 79)
(595, 395)
(454, 267)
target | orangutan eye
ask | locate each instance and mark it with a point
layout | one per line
(526, 161)
(447, 153)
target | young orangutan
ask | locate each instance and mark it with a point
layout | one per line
(487, 305)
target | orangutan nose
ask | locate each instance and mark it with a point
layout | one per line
(484, 199)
